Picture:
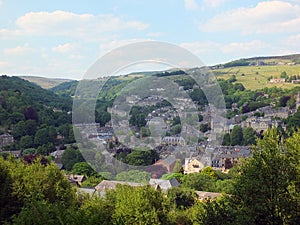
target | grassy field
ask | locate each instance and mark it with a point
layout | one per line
(256, 77)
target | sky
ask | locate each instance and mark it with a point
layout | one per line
(63, 38)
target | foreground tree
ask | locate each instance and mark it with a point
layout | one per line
(30, 187)
(138, 205)
(265, 189)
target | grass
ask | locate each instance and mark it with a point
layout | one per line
(256, 77)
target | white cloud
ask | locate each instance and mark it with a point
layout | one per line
(213, 3)
(265, 17)
(293, 40)
(76, 56)
(19, 50)
(155, 34)
(243, 47)
(4, 64)
(190, 4)
(108, 46)
(201, 48)
(194, 5)
(67, 24)
(64, 48)
(213, 53)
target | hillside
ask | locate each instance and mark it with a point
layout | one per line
(255, 73)
(262, 61)
(257, 77)
(45, 83)
(33, 93)
(66, 88)
(21, 100)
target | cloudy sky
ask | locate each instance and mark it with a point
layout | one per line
(63, 38)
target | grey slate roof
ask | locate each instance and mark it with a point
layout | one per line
(164, 184)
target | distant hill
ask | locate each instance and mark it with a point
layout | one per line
(254, 73)
(32, 94)
(44, 82)
(66, 88)
(262, 60)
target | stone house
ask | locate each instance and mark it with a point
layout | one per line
(6, 139)
(75, 179)
(192, 165)
(173, 141)
(277, 80)
(164, 185)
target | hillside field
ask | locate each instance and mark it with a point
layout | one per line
(256, 77)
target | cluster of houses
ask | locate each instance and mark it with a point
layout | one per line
(272, 118)
(220, 157)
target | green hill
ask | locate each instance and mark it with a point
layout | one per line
(66, 88)
(44, 82)
(32, 93)
(21, 101)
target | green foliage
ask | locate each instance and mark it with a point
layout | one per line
(65, 89)
(204, 127)
(174, 130)
(26, 142)
(138, 205)
(26, 108)
(199, 182)
(249, 136)
(170, 176)
(67, 131)
(139, 157)
(198, 96)
(236, 136)
(38, 182)
(293, 121)
(209, 171)
(29, 151)
(181, 197)
(200, 118)
(186, 82)
(45, 135)
(97, 210)
(102, 116)
(42, 212)
(178, 166)
(45, 149)
(23, 128)
(83, 168)
(226, 139)
(7, 200)
(283, 75)
(144, 132)
(218, 212)
(22, 185)
(239, 62)
(91, 182)
(263, 181)
(133, 176)
(70, 157)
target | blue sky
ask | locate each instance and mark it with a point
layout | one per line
(62, 38)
